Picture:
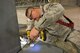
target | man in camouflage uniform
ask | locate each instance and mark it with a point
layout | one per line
(56, 33)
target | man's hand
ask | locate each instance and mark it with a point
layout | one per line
(34, 34)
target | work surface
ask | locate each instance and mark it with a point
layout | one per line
(41, 47)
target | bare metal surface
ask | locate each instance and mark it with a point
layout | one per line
(41, 47)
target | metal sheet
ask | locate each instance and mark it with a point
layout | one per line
(41, 47)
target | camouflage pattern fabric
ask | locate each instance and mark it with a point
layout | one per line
(74, 37)
(53, 12)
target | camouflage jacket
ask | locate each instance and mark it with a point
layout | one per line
(52, 13)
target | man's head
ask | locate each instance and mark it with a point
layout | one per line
(33, 13)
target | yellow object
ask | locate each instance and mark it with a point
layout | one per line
(28, 33)
(42, 35)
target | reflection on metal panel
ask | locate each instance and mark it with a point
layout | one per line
(41, 47)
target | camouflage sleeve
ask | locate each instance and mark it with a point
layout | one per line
(49, 17)
(39, 25)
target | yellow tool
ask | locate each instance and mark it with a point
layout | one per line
(42, 35)
(28, 33)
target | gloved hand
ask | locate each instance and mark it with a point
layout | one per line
(34, 34)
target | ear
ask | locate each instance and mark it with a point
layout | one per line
(42, 10)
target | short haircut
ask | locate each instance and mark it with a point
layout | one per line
(26, 13)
